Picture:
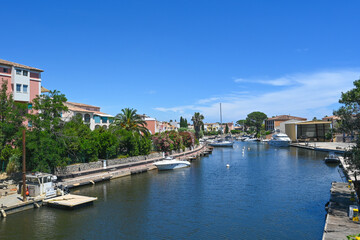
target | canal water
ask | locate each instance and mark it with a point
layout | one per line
(266, 193)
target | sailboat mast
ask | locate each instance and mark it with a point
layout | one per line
(220, 115)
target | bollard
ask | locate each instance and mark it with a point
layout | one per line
(356, 215)
(3, 213)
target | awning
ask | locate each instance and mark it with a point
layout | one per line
(313, 122)
(44, 90)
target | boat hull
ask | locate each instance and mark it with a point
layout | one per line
(279, 143)
(221, 144)
(170, 165)
(332, 159)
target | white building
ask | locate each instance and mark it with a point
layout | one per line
(91, 115)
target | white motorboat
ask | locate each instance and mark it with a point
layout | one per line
(221, 143)
(280, 140)
(332, 158)
(169, 163)
(251, 140)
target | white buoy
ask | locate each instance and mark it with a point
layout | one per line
(227, 165)
(248, 148)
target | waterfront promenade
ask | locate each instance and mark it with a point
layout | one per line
(338, 225)
(338, 147)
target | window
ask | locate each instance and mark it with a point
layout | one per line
(18, 71)
(111, 120)
(97, 119)
(87, 118)
(18, 87)
(5, 70)
(104, 119)
(29, 106)
(25, 88)
(25, 73)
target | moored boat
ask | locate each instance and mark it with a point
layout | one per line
(169, 164)
(280, 140)
(332, 158)
(221, 143)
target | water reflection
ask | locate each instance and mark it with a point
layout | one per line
(281, 191)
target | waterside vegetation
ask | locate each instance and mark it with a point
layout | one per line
(52, 142)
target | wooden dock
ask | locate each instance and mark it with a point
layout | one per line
(338, 225)
(69, 201)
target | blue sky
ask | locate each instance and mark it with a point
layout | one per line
(171, 58)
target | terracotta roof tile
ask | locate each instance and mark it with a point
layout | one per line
(82, 105)
(8, 63)
(286, 117)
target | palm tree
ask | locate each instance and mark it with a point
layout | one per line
(198, 122)
(129, 120)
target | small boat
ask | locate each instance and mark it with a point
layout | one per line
(221, 143)
(332, 158)
(251, 140)
(42, 184)
(169, 163)
(280, 140)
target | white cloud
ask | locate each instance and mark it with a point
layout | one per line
(304, 95)
(208, 100)
(283, 81)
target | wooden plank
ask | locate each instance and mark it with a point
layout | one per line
(70, 200)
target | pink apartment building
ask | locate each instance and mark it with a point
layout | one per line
(24, 82)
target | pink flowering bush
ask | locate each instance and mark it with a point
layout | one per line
(162, 143)
(168, 141)
(188, 139)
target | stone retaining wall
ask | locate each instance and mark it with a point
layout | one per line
(111, 162)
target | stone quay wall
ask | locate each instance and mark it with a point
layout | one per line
(110, 162)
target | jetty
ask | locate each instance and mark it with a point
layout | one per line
(69, 201)
(338, 225)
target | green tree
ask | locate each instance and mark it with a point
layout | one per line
(11, 122)
(183, 122)
(255, 119)
(106, 143)
(349, 122)
(129, 120)
(46, 148)
(242, 124)
(197, 120)
(226, 129)
(80, 145)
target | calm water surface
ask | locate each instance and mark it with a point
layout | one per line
(267, 193)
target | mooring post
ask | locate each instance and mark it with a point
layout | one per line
(24, 166)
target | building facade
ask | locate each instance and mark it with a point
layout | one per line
(23, 82)
(273, 123)
(91, 115)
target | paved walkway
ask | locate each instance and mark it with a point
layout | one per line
(325, 146)
(120, 170)
(338, 225)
